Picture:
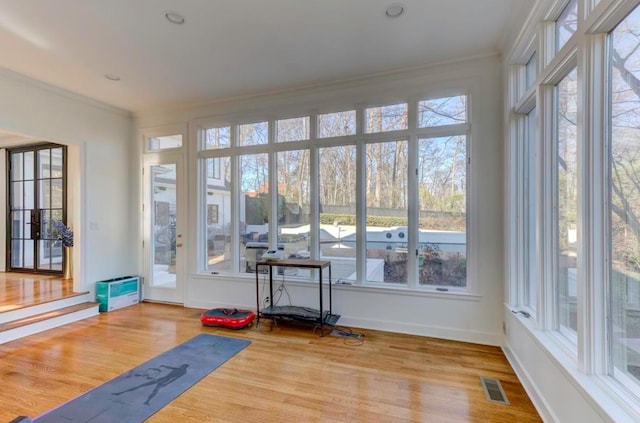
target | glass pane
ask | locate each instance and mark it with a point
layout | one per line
(163, 143)
(17, 224)
(17, 195)
(44, 255)
(442, 111)
(337, 124)
(530, 262)
(386, 118)
(442, 188)
(29, 194)
(217, 137)
(624, 180)
(29, 165)
(218, 215)
(567, 200)
(45, 225)
(44, 163)
(567, 24)
(338, 210)
(17, 167)
(56, 256)
(163, 188)
(531, 71)
(28, 254)
(16, 253)
(56, 163)
(253, 133)
(294, 206)
(294, 129)
(45, 193)
(255, 204)
(56, 193)
(50, 255)
(386, 232)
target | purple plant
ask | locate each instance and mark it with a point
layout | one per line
(62, 233)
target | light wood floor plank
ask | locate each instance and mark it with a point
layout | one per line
(286, 375)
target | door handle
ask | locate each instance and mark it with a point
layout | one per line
(35, 224)
(179, 245)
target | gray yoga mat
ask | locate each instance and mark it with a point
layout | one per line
(139, 393)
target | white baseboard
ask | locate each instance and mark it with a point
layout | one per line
(453, 334)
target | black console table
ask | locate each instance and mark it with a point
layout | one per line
(320, 316)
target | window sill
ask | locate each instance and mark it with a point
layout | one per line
(452, 294)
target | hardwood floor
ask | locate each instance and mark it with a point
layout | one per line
(285, 375)
(20, 290)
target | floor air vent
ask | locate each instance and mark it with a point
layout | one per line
(493, 390)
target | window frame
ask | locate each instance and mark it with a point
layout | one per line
(359, 140)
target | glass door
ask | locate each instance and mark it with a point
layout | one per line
(163, 238)
(37, 197)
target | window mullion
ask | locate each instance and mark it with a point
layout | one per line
(592, 344)
(361, 206)
(273, 188)
(314, 175)
(413, 212)
(235, 203)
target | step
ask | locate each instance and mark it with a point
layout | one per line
(30, 325)
(43, 307)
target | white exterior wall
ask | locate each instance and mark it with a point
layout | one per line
(476, 317)
(99, 190)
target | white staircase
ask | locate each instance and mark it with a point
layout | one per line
(27, 320)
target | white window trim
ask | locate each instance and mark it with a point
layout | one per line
(360, 140)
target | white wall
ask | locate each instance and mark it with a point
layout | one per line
(475, 318)
(99, 139)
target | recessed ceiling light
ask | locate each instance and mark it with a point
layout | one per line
(174, 17)
(112, 77)
(395, 10)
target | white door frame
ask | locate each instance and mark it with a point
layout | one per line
(153, 291)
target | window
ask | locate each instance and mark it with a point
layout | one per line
(624, 203)
(218, 215)
(253, 133)
(295, 129)
(337, 192)
(217, 137)
(529, 211)
(567, 24)
(531, 72)
(294, 205)
(163, 143)
(213, 168)
(386, 118)
(363, 189)
(442, 182)
(442, 111)
(566, 186)
(255, 203)
(386, 193)
(337, 124)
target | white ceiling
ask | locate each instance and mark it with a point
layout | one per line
(234, 47)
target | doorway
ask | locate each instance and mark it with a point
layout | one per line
(163, 229)
(36, 192)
